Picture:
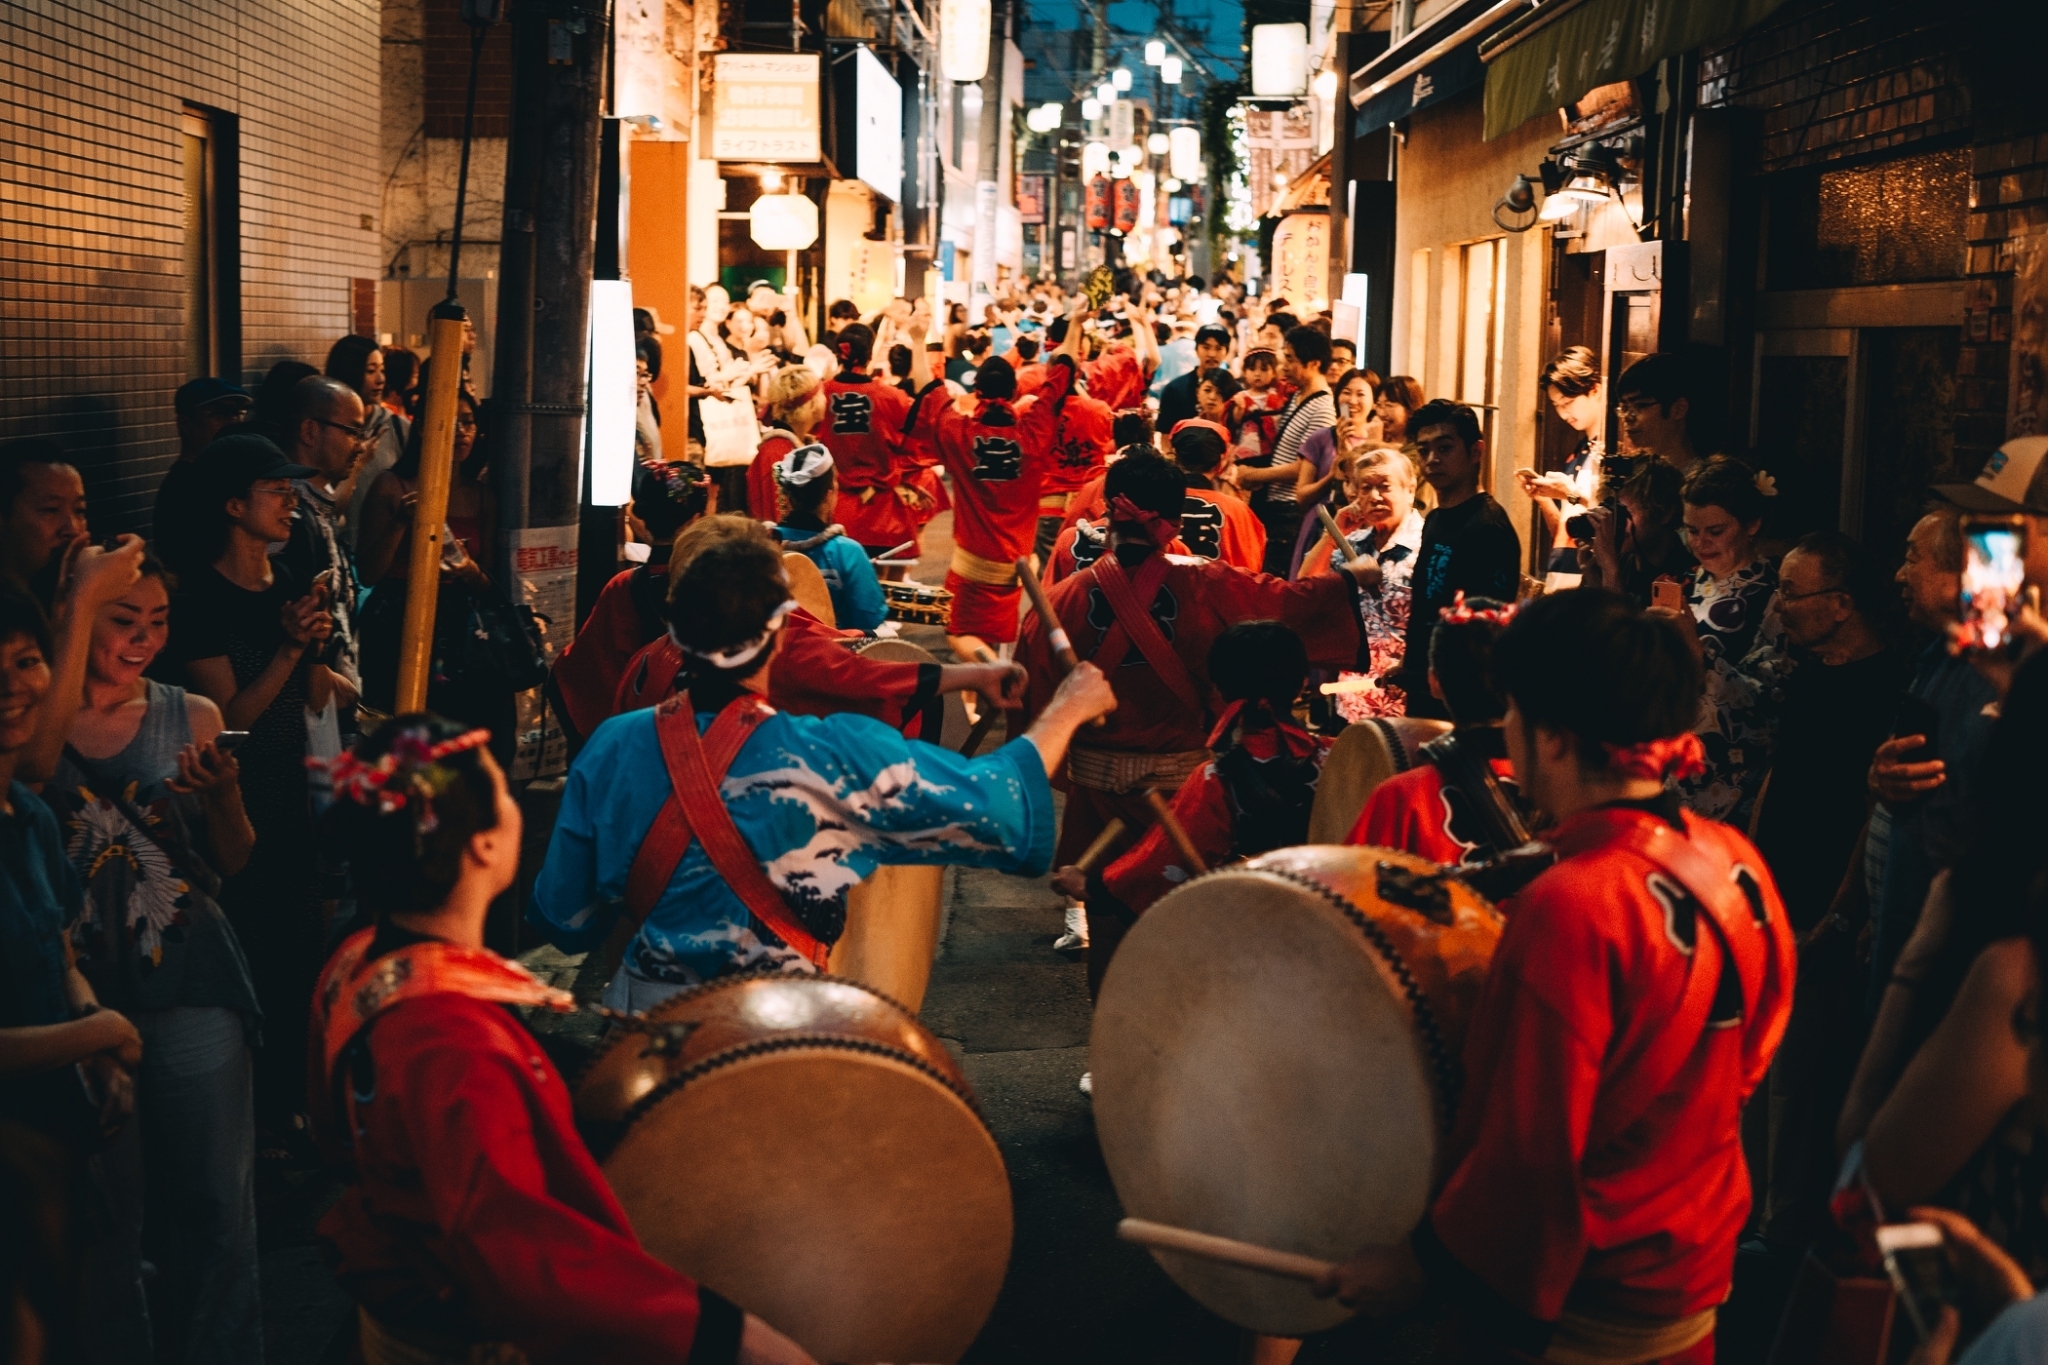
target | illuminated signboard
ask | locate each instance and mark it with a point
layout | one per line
(765, 107)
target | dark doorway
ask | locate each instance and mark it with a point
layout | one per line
(1801, 406)
(213, 278)
(1909, 377)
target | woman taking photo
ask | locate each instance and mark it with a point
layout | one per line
(474, 695)
(1732, 604)
(1398, 398)
(152, 813)
(1316, 471)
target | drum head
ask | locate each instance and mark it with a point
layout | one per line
(896, 652)
(1257, 1076)
(845, 1196)
(807, 585)
(1366, 754)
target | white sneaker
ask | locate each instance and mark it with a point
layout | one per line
(1076, 935)
(1088, 1084)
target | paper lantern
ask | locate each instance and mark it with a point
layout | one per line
(1105, 94)
(1091, 110)
(1094, 159)
(1170, 70)
(1279, 61)
(1156, 144)
(1155, 52)
(963, 39)
(1121, 78)
(1126, 194)
(1097, 207)
(614, 393)
(783, 222)
(1184, 153)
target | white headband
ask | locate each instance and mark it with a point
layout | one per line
(802, 465)
(745, 652)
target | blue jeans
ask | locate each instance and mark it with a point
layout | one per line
(193, 1098)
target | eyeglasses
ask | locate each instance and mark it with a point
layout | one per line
(1785, 596)
(355, 433)
(1638, 406)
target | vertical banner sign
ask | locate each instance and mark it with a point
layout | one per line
(544, 578)
(1301, 260)
(764, 107)
(1031, 198)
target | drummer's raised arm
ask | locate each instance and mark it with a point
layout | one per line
(1083, 695)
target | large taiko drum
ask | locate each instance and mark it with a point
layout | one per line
(1276, 1060)
(1367, 753)
(800, 1146)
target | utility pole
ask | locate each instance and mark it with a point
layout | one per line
(545, 263)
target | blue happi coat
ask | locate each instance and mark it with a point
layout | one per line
(822, 801)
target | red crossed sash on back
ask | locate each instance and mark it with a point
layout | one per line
(1130, 600)
(695, 810)
(351, 994)
(1747, 945)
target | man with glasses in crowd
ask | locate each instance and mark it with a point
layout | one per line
(330, 437)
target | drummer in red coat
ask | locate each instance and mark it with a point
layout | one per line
(475, 1223)
(1081, 444)
(1596, 1183)
(1441, 808)
(997, 452)
(1149, 619)
(882, 500)
(1215, 524)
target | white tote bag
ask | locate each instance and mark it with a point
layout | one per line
(730, 432)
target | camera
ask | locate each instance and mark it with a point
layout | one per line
(1615, 471)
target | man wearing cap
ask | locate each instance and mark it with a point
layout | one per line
(205, 408)
(1177, 397)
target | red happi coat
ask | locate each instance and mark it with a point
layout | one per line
(1078, 546)
(998, 459)
(1597, 1151)
(1415, 812)
(1194, 601)
(1081, 443)
(1204, 806)
(1116, 379)
(774, 448)
(863, 428)
(1222, 527)
(474, 1211)
(814, 674)
(588, 670)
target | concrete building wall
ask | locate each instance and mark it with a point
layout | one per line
(92, 295)
(1445, 239)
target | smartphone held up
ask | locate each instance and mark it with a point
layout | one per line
(1994, 572)
(1916, 1259)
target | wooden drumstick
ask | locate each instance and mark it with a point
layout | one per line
(1110, 834)
(1055, 634)
(1177, 832)
(1337, 537)
(1228, 1250)
(986, 722)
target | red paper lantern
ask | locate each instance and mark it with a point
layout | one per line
(1098, 203)
(1126, 205)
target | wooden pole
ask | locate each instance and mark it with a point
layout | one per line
(437, 456)
(1337, 538)
(1177, 832)
(1111, 832)
(1228, 1250)
(986, 722)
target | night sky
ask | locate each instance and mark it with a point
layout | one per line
(1212, 28)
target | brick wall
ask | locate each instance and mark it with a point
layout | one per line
(447, 49)
(92, 327)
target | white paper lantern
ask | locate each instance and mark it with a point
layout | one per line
(1094, 160)
(1184, 153)
(1279, 61)
(1157, 144)
(1170, 70)
(963, 39)
(1155, 52)
(614, 393)
(1091, 110)
(1326, 85)
(783, 222)
(1105, 94)
(1121, 78)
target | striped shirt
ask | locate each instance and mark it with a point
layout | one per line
(1303, 418)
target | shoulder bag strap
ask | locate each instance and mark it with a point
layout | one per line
(1131, 601)
(696, 809)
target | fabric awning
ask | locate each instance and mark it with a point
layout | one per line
(1558, 51)
(1437, 61)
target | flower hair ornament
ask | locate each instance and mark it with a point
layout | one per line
(1156, 528)
(409, 773)
(803, 465)
(676, 479)
(1679, 756)
(1765, 484)
(1458, 614)
(747, 650)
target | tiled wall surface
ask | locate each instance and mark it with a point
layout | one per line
(92, 326)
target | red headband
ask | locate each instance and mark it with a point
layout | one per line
(1156, 528)
(1680, 756)
(1204, 423)
(1458, 614)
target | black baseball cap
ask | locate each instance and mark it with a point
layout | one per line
(232, 463)
(204, 393)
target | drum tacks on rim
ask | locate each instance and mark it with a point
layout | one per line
(802, 1147)
(1275, 1058)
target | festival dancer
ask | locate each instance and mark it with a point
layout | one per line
(1149, 618)
(1596, 1184)
(1453, 807)
(1254, 796)
(475, 1224)
(1081, 441)
(807, 493)
(997, 452)
(817, 674)
(1214, 524)
(883, 499)
(730, 832)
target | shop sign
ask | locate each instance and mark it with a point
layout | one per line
(764, 107)
(1031, 191)
(878, 110)
(1301, 260)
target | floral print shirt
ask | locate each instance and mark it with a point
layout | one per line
(1742, 644)
(1385, 617)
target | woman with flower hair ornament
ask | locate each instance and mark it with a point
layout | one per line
(475, 1225)
(1595, 1181)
